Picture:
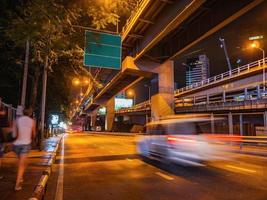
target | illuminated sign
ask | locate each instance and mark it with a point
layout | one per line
(54, 119)
(123, 103)
(102, 111)
(257, 37)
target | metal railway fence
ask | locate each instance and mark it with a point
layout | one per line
(7, 113)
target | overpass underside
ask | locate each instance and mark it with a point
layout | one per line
(163, 30)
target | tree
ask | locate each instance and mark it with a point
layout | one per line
(49, 27)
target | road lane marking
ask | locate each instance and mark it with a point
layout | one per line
(164, 176)
(241, 169)
(60, 180)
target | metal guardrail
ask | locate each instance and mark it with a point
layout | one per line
(7, 111)
(241, 141)
(139, 5)
(220, 105)
(220, 77)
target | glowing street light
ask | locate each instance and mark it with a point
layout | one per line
(76, 81)
(255, 45)
(131, 93)
(86, 81)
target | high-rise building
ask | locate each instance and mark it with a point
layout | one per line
(197, 69)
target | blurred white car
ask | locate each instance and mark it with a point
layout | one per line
(180, 140)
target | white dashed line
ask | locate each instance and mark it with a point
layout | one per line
(241, 169)
(60, 180)
(164, 176)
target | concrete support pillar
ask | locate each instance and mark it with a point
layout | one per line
(258, 92)
(230, 123)
(212, 123)
(246, 93)
(241, 124)
(224, 99)
(93, 120)
(93, 116)
(162, 102)
(9, 114)
(110, 115)
(194, 100)
(208, 99)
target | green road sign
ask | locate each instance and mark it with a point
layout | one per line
(102, 50)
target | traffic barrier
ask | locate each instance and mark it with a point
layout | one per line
(238, 138)
(40, 189)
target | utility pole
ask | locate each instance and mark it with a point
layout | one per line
(44, 98)
(25, 74)
(117, 26)
(223, 45)
(44, 88)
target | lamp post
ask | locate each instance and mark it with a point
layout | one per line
(254, 45)
(223, 45)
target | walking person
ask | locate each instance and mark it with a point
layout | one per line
(25, 128)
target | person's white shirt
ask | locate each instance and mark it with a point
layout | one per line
(25, 127)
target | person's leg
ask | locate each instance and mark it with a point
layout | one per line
(21, 169)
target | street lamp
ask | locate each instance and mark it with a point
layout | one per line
(131, 93)
(223, 45)
(76, 81)
(255, 46)
(86, 82)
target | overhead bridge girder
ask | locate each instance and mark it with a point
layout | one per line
(129, 74)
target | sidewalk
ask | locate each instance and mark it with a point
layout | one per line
(38, 161)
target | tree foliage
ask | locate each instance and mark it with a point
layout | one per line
(51, 27)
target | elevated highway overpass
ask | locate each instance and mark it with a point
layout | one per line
(239, 84)
(156, 34)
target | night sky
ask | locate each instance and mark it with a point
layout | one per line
(235, 34)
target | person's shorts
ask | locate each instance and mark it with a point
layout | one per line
(22, 149)
(1, 150)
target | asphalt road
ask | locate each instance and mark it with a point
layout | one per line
(100, 167)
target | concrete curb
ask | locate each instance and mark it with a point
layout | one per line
(40, 188)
